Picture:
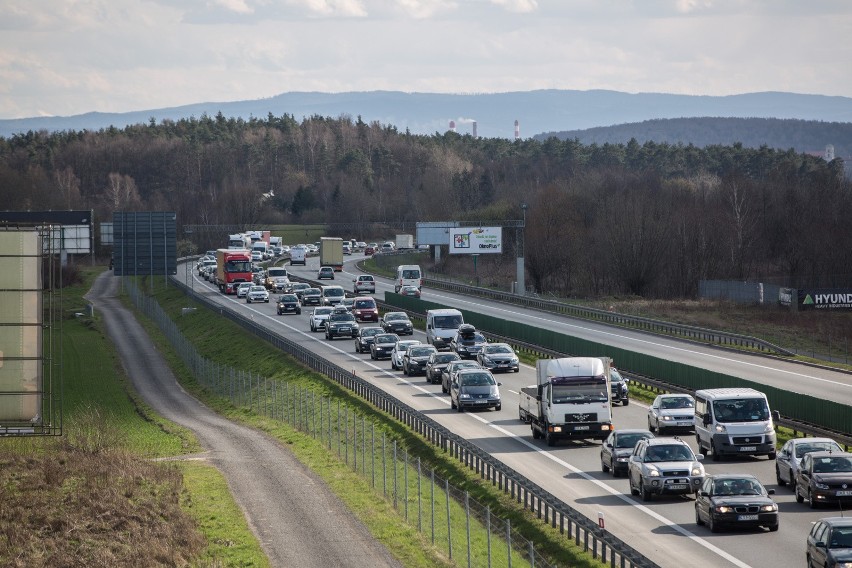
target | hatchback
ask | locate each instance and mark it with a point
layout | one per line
(325, 272)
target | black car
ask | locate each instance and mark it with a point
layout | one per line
(365, 338)
(824, 477)
(830, 543)
(437, 363)
(289, 304)
(415, 359)
(341, 323)
(383, 345)
(312, 297)
(735, 500)
(299, 287)
(616, 449)
(618, 384)
(468, 342)
(398, 323)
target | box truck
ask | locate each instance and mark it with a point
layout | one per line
(233, 266)
(331, 252)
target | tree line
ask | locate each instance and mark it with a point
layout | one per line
(648, 219)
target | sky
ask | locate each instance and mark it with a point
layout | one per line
(68, 57)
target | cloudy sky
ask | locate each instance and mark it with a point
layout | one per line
(66, 57)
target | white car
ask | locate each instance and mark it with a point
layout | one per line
(319, 316)
(789, 458)
(670, 412)
(243, 289)
(399, 352)
(256, 256)
(257, 294)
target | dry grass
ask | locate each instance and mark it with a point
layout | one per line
(88, 504)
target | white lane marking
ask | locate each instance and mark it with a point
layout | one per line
(610, 490)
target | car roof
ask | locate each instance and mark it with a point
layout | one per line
(838, 521)
(633, 431)
(665, 441)
(827, 454)
(675, 395)
(409, 341)
(811, 440)
(734, 476)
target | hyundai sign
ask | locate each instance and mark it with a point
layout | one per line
(476, 240)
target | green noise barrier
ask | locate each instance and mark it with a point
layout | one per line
(827, 414)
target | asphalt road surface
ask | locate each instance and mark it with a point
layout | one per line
(297, 519)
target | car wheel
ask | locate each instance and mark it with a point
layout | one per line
(372, 355)
(774, 528)
(459, 407)
(405, 370)
(650, 426)
(778, 479)
(715, 452)
(625, 402)
(799, 498)
(633, 490)
(811, 502)
(452, 403)
(604, 467)
(549, 438)
(443, 387)
(498, 408)
(646, 495)
(772, 455)
(712, 524)
(698, 520)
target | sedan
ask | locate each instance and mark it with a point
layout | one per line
(383, 345)
(289, 304)
(829, 543)
(498, 357)
(365, 338)
(318, 318)
(397, 322)
(325, 272)
(399, 352)
(735, 500)
(672, 411)
(825, 477)
(411, 291)
(437, 363)
(415, 359)
(448, 375)
(789, 458)
(243, 289)
(299, 287)
(616, 449)
(312, 297)
(257, 294)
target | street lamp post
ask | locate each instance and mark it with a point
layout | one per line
(188, 232)
(521, 270)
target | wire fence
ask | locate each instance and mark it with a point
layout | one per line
(460, 526)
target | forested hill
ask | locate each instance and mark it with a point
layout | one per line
(800, 135)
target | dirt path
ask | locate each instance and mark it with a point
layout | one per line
(298, 521)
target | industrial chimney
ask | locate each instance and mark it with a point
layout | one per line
(517, 130)
(452, 126)
(473, 132)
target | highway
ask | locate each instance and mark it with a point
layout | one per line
(663, 529)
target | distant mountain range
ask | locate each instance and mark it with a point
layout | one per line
(543, 111)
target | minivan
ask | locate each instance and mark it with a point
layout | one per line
(733, 421)
(332, 295)
(408, 275)
(441, 326)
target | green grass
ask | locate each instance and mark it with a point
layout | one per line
(226, 343)
(103, 417)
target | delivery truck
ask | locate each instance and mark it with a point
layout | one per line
(571, 400)
(331, 252)
(404, 242)
(233, 266)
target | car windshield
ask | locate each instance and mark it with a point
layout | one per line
(741, 410)
(370, 331)
(463, 365)
(447, 322)
(322, 311)
(498, 349)
(342, 317)
(334, 292)
(472, 338)
(841, 537)
(311, 292)
(737, 486)
(668, 453)
(245, 285)
(410, 274)
(258, 289)
(830, 464)
(808, 447)
(476, 379)
(421, 351)
(677, 402)
(446, 357)
(365, 304)
(288, 298)
(628, 440)
(402, 346)
(396, 316)
(580, 393)
(273, 272)
(365, 278)
(386, 338)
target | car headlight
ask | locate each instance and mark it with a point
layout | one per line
(724, 509)
(653, 471)
(487, 360)
(768, 428)
(819, 485)
(514, 360)
(697, 470)
(720, 428)
(464, 395)
(622, 459)
(769, 508)
(666, 418)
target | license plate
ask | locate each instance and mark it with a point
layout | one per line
(748, 448)
(677, 486)
(344, 330)
(684, 423)
(502, 364)
(481, 401)
(581, 427)
(746, 517)
(844, 493)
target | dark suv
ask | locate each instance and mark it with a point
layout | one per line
(365, 338)
(415, 359)
(437, 363)
(341, 324)
(618, 384)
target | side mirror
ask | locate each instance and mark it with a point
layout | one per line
(702, 493)
(699, 457)
(499, 384)
(608, 445)
(770, 492)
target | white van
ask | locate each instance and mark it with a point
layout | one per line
(297, 255)
(731, 421)
(442, 326)
(408, 275)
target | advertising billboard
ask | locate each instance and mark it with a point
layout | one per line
(825, 299)
(21, 316)
(476, 240)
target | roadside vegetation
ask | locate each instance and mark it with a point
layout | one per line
(99, 495)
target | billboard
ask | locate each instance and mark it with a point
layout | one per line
(144, 243)
(476, 240)
(70, 231)
(825, 299)
(21, 323)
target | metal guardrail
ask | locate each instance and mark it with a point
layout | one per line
(547, 507)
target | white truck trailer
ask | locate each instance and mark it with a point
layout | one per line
(570, 401)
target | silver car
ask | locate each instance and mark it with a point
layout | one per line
(243, 289)
(399, 352)
(257, 294)
(788, 461)
(318, 318)
(670, 412)
(664, 466)
(475, 388)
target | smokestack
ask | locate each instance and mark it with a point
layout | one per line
(517, 130)
(452, 126)
(474, 129)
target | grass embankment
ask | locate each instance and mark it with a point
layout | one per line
(227, 344)
(93, 496)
